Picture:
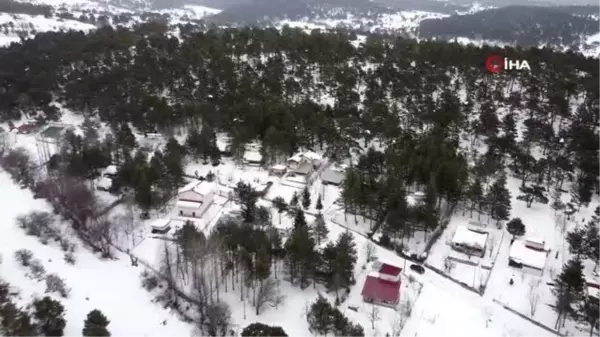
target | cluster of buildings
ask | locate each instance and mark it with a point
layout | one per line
(529, 254)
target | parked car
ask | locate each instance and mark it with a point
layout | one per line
(417, 268)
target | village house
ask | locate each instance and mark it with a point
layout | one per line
(26, 129)
(469, 241)
(332, 176)
(304, 163)
(195, 198)
(382, 286)
(531, 260)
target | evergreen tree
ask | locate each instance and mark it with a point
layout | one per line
(577, 242)
(294, 201)
(569, 286)
(475, 195)
(319, 205)
(320, 229)
(533, 193)
(516, 227)
(50, 316)
(300, 219)
(247, 197)
(263, 330)
(280, 205)
(95, 324)
(498, 199)
(589, 312)
(319, 316)
(305, 198)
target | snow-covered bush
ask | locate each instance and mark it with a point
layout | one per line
(70, 258)
(37, 269)
(149, 281)
(37, 224)
(56, 284)
(23, 257)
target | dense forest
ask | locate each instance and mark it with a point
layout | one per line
(14, 7)
(523, 25)
(414, 115)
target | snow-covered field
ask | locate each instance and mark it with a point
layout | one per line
(111, 286)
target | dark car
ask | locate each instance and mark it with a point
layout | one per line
(417, 268)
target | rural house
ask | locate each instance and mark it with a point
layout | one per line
(531, 260)
(304, 163)
(332, 176)
(382, 286)
(469, 241)
(195, 198)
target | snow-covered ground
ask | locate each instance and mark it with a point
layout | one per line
(111, 286)
(27, 25)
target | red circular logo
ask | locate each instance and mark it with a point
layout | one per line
(493, 63)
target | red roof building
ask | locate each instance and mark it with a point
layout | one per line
(383, 286)
(26, 128)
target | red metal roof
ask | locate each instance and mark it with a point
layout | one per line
(26, 127)
(381, 290)
(389, 269)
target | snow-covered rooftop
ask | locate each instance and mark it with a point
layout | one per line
(200, 187)
(469, 238)
(252, 156)
(111, 169)
(104, 182)
(526, 256)
(188, 204)
(279, 167)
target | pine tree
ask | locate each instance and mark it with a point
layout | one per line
(299, 220)
(319, 316)
(589, 312)
(294, 201)
(532, 193)
(577, 242)
(557, 204)
(345, 259)
(516, 227)
(280, 205)
(319, 205)
(306, 198)
(320, 229)
(50, 316)
(498, 199)
(263, 330)
(95, 324)
(569, 286)
(475, 195)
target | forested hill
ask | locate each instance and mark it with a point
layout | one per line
(14, 7)
(257, 11)
(524, 25)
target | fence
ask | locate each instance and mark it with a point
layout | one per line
(462, 284)
(545, 327)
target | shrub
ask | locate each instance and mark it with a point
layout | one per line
(24, 256)
(50, 316)
(70, 258)
(95, 324)
(57, 284)
(37, 269)
(149, 282)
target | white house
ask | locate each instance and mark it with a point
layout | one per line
(469, 241)
(195, 198)
(528, 259)
(304, 163)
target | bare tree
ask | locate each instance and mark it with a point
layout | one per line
(217, 319)
(374, 315)
(449, 265)
(101, 233)
(369, 251)
(268, 294)
(533, 296)
(128, 224)
(487, 315)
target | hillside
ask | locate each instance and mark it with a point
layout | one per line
(523, 25)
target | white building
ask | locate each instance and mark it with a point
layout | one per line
(195, 198)
(469, 241)
(535, 243)
(528, 259)
(304, 163)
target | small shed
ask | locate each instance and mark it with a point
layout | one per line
(528, 259)
(161, 226)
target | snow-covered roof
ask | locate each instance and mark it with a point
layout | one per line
(528, 257)
(252, 156)
(297, 157)
(469, 238)
(312, 155)
(200, 187)
(332, 176)
(536, 240)
(111, 169)
(160, 224)
(104, 182)
(188, 204)
(279, 167)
